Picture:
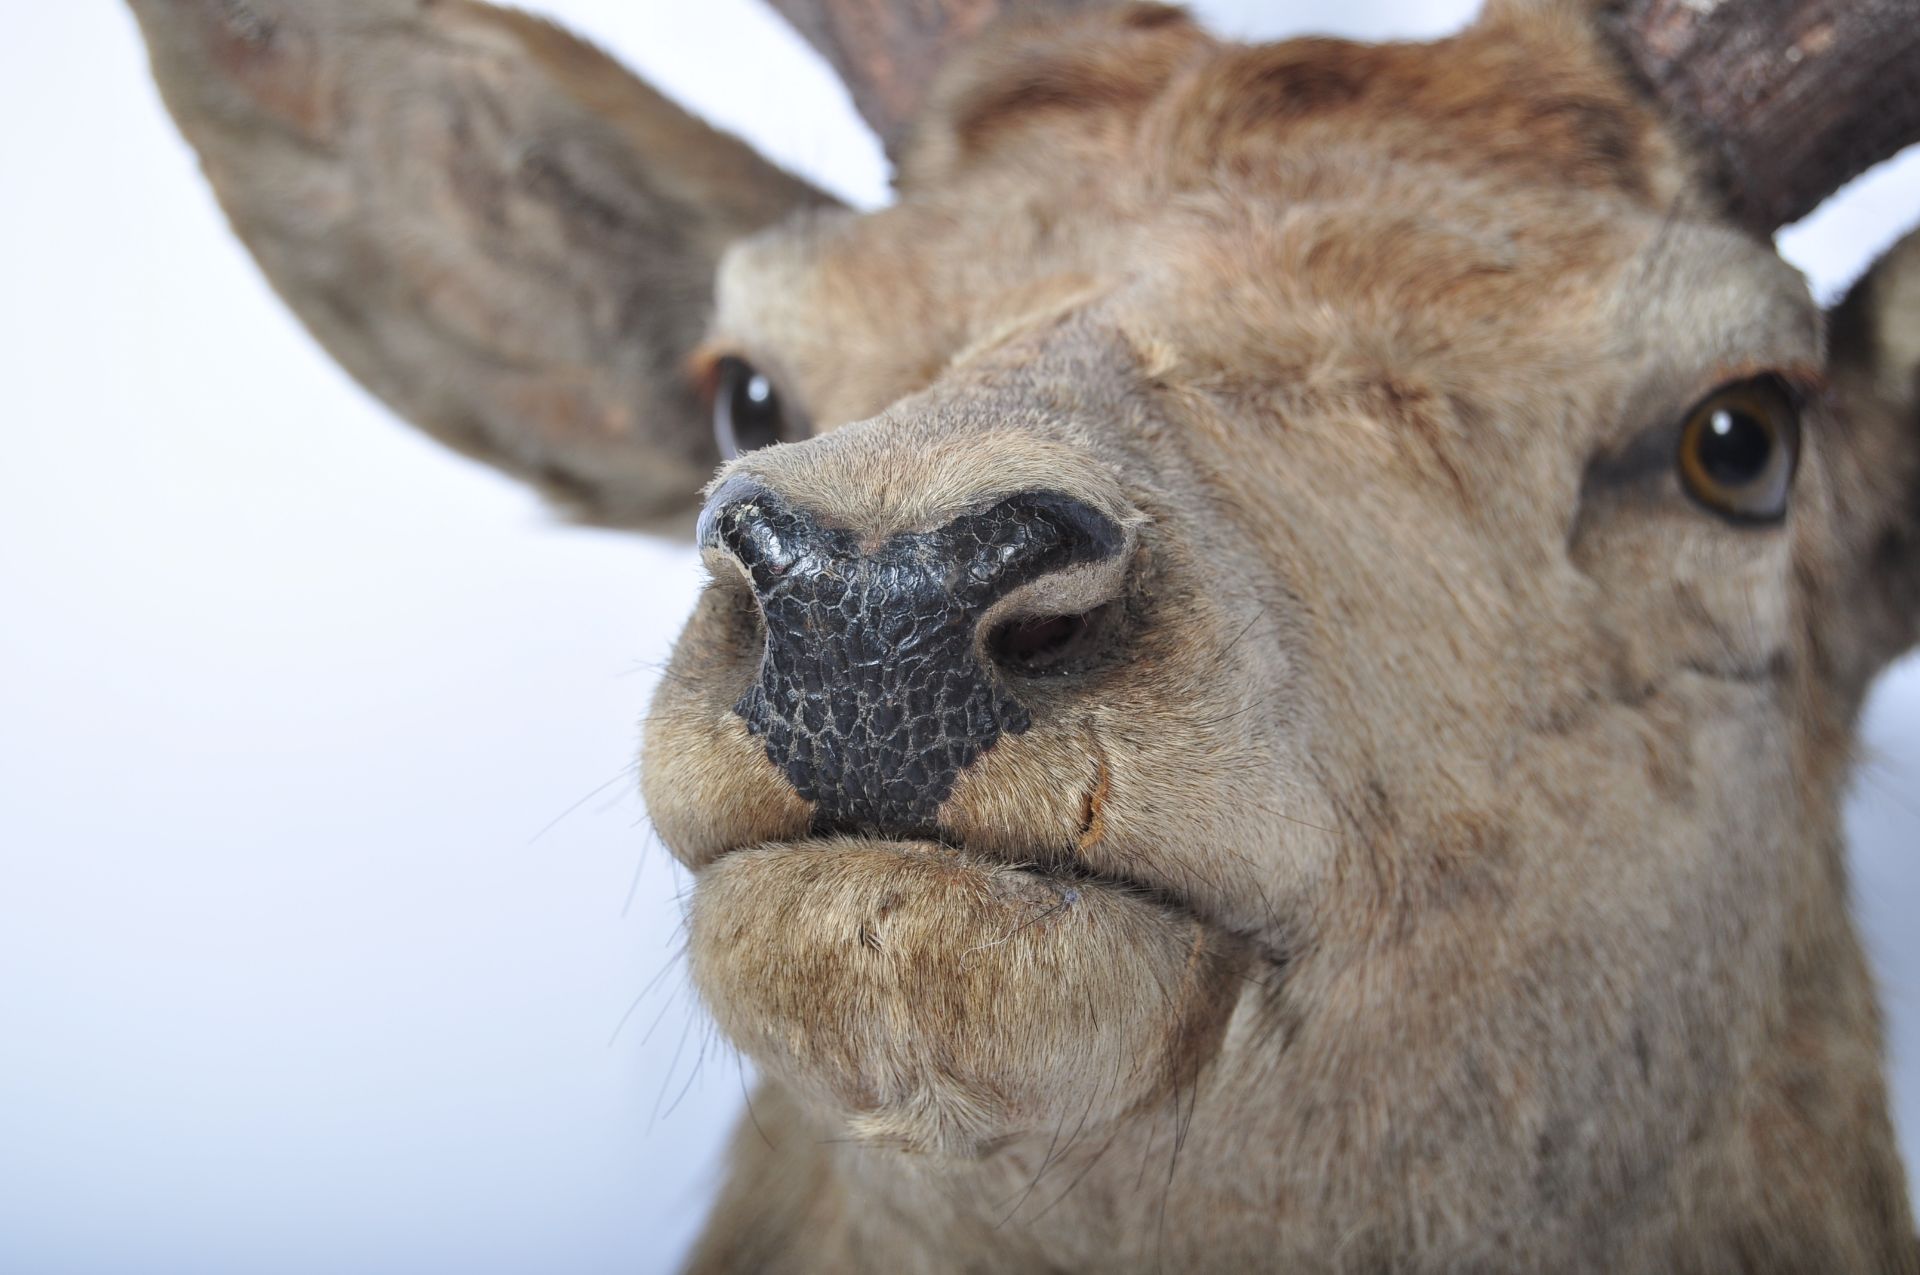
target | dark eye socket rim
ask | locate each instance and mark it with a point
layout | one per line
(1776, 404)
(730, 374)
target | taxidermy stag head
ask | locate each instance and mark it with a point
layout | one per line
(1285, 626)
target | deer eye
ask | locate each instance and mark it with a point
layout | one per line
(1739, 447)
(747, 413)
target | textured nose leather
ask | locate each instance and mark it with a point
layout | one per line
(872, 695)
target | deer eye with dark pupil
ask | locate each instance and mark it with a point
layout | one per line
(1739, 448)
(747, 414)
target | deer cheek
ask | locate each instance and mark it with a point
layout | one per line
(945, 1005)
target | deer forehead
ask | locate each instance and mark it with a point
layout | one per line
(1346, 282)
(1478, 206)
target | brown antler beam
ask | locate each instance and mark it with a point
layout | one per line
(886, 51)
(1791, 98)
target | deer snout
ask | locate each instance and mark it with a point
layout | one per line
(889, 666)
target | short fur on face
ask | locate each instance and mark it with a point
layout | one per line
(1433, 863)
(1513, 779)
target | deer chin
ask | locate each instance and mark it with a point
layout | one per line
(935, 1001)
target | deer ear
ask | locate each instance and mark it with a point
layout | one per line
(493, 226)
(1875, 335)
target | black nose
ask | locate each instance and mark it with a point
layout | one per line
(877, 686)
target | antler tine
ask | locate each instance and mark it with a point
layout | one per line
(886, 51)
(1792, 98)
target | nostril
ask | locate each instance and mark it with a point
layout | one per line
(1035, 644)
(887, 666)
(1037, 641)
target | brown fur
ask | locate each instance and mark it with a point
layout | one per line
(1444, 870)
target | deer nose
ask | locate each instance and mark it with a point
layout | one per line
(889, 667)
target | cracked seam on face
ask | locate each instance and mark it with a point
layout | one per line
(1093, 817)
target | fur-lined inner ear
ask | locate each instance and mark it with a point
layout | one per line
(1875, 460)
(1890, 298)
(491, 224)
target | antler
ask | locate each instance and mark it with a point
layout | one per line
(887, 51)
(1792, 98)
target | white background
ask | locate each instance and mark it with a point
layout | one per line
(324, 890)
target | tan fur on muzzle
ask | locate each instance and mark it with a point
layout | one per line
(946, 1004)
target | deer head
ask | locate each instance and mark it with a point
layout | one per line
(1285, 626)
